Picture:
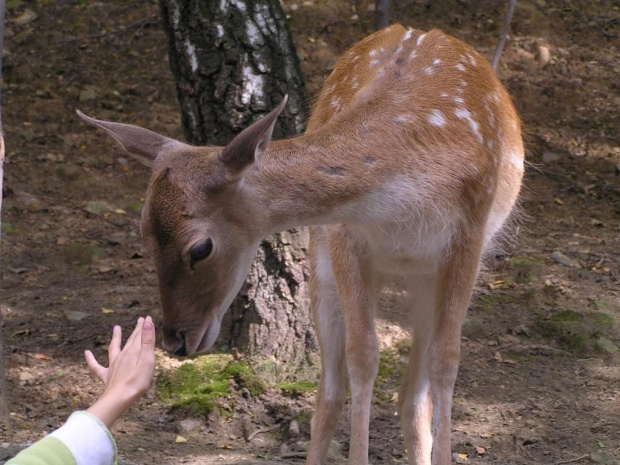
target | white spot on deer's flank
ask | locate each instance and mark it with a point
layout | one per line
(436, 62)
(464, 114)
(463, 83)
(407, 35)
(460, 67)
(490, 144)
(515, 159)
(374, 63)
(436, 118)
(444, 95)
(458, 100)
(428, 70)
(372, 53)
(413, 55)
(191, 52)
(335, 101)
(472, 60)
(402, 119)
(420, 39)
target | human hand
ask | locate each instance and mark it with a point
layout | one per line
(129, 373)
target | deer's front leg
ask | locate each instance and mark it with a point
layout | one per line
(329, 323)
(357, 288)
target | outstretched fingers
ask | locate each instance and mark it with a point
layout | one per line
(114, 349)
(99, 371)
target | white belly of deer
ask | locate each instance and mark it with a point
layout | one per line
(403, 236)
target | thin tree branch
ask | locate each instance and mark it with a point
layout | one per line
(4, 396)
(140, 22)
(502, 38)
(382, 13)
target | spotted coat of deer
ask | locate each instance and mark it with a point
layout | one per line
(411, 163)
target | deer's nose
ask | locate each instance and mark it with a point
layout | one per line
(174, 342)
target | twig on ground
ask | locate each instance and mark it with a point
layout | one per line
(140, 22)
(294, 455)
(562, 462)
(263, 430)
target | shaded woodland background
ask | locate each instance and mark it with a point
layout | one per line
(540, 375)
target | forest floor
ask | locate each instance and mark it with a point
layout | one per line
(540, 375)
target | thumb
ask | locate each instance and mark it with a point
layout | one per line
(148, 333)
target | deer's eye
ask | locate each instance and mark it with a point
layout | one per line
(201, 251)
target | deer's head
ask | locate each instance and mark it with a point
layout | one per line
(197, 224)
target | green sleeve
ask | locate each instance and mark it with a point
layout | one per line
(47, 451)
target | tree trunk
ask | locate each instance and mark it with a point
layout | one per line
(233, 61)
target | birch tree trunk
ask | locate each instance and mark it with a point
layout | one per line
(233, 61)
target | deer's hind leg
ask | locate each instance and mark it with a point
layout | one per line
(415, 400)
(330, 329)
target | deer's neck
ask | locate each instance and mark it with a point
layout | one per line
(313, 179)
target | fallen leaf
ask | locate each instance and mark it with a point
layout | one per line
(43, 357)
(25, 376)
(26, 17)
(225, 446)
(107, 311)
(180, 439)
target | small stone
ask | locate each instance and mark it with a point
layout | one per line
(75, 315)
(293, 429)
(607, 345)
(188, 426)
(561, 258)
(25, 376)
(550, 157)
(460, 458)
(90, 93)
(543, 55)
(600, 457)
(335, 449)
(480, 450)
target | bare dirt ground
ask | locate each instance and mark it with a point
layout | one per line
(540, 375)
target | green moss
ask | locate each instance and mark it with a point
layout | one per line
(574, 331)
(486, 303)
(391, 368)
(297, 388)
(8, 228)
(604, 320)
(244, 377)
(527, 268)
(516, 356)
(567, 316)
(198, 386)
(135, 207)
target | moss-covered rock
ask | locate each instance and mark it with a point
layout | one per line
(200, 385)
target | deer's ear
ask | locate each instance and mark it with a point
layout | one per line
(248, 146)
(142, 144)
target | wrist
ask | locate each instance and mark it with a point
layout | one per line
(110, 407)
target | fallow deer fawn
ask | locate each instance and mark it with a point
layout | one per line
(411, 163)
